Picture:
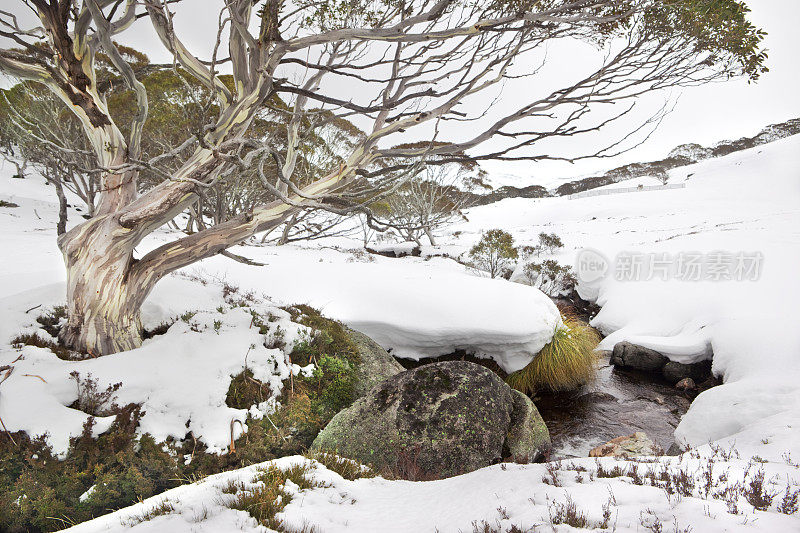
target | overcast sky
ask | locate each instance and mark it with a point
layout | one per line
(703, 114)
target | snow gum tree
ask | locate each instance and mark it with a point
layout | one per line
(401, 69)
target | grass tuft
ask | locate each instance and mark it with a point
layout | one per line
(270, 498)
(565, 363)
(347, 468)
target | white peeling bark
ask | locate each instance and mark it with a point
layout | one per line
(103, 299)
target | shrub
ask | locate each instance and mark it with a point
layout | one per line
(550, 242)
(347, 468)
(565, 363)
(269, 498)
(550, 277)
(91, 399)
(494, 253)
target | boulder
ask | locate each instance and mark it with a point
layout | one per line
(686, 384)
(376, 363)
(635, 445)
(675, 372)
(638, 357)
(528, 433)
(438, 420)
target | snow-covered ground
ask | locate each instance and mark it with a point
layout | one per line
(501, 496)
(417, 308)
(745, 203)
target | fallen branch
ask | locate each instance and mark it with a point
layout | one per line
(241, 258)
(7, 432)
(233, 423)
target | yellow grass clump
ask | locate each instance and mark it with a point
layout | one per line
(565, 363)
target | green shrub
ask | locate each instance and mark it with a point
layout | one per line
(494, 253)
(42, 492)
(565, 363)
(550, 277)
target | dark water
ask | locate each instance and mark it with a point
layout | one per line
(617, 403)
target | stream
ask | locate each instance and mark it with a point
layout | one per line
(617, 403)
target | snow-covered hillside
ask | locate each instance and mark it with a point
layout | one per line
(745, 203)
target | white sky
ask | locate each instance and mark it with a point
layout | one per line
(703, 114)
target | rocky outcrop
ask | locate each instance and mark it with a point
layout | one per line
(445, 418)
(682, 155)
(375, 365)
(636, 445)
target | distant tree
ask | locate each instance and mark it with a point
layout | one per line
(408, 68)
(425, 203)
(494, 253)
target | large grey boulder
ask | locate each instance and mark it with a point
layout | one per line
(638, 357)
(442, 419)
(376, 364)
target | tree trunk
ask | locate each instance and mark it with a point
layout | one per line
(103, 297)
(429, 233)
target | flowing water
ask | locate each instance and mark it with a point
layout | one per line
(617, 403)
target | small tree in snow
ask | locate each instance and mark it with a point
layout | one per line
(550, 242)
(494, 252)
(550, 277)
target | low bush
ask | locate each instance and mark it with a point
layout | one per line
(347, 468)
(494, 253)
(270, 498)
(550, 277)
(565, 363)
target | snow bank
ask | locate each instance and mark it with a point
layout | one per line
(415, 307)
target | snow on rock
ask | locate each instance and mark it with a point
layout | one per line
(181, 378)
(414, 307)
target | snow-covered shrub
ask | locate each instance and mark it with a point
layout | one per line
(269, 498)
(550, 277)
(494, 253)
(347, 468)
(565, 363)
(92, 399)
